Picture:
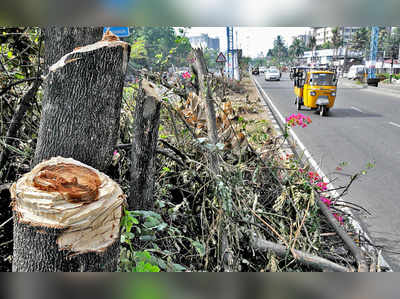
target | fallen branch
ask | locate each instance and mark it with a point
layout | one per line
(170, 156)
(302, 257)
(7, 88)
(356, 251)
(174, 149)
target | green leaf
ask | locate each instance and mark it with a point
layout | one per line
(147, 238)
(178, 268)
(199, 247)
(10, 54)
(166, 169)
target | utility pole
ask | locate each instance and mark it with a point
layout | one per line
(373, 52)
(229, 51)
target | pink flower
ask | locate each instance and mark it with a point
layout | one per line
(115, 152)
(322, 185)
(186, 75)
(338, 218)
(298, 119)
(326, 201)
(301, 170)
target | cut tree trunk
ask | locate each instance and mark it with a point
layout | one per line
(80, 120)
(59, 41)
(82, 105)
(146, 123)
(199, 67)
(67, 217)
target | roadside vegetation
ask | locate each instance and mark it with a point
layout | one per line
(238, 204)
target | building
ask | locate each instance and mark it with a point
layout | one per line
(324, 34)
(332, 57)
(204, 41)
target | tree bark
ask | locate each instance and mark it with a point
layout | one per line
(80, 119)
(36, 250)
(302, 257)
(146, 123)
(82, 105)
(199, 67)
(59, 41)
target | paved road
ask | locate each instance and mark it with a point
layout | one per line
(362, 127)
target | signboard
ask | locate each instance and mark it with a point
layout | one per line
(118, 31)
(221, 58)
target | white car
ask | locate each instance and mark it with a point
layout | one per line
(262, 69)
(272, 74)
(355, 71)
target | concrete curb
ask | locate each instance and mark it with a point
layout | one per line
(304, 154)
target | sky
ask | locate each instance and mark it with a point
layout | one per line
(253, 40)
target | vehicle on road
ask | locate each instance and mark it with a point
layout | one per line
(272, 74)
(315, 88)
(291, 72)
(356, 71)
(255, 71)
(263, 69)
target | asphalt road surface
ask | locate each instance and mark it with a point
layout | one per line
(363, 127)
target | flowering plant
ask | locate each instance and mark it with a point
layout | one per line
(186, 75)
(298, 120)
(315, 180)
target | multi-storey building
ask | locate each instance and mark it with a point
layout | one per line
(204, 41)
(324, 34)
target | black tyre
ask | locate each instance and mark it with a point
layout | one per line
(323, 111)
(298, 103)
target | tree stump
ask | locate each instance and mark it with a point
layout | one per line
(66, 218)
(144, 145)
(80, 120)
(59, 41)
(82, 104)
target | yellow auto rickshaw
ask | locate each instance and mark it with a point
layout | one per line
(315, 88)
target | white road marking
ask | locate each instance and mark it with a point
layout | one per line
(355, 108)
(394, 124)
(357, 226)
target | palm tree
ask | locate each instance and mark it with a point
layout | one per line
(296, 49)
(279, 50)
(361, 41)
(312, 43)
(336, 41)
(391, 45)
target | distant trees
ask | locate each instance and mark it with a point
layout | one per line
(336, 41)
(391, 45)
(279, 53)
(296, 49)
(158, 47)
(312, 43)
(360, 41)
